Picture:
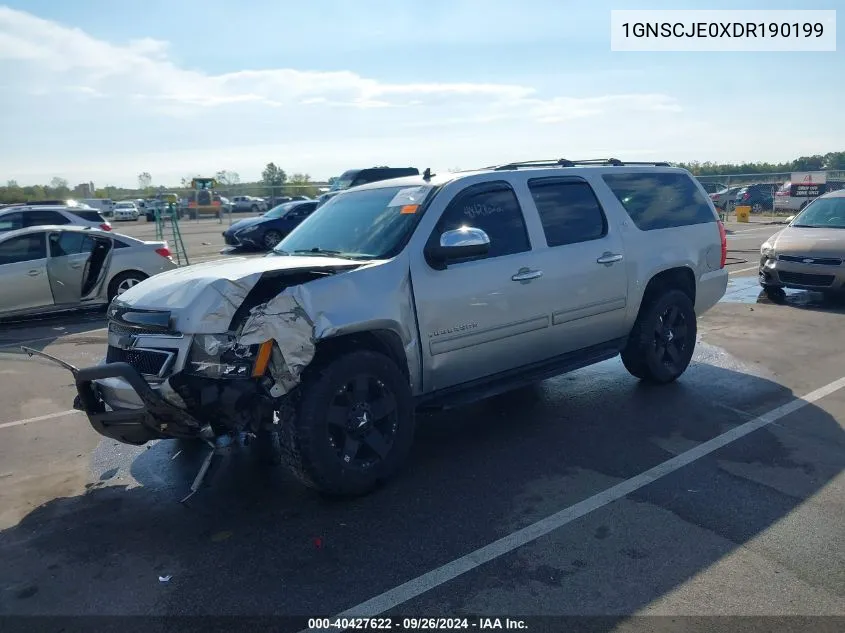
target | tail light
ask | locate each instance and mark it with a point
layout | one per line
(105, 226)
(164, 252)
(713, 196)
(724, 237)
(746, 196)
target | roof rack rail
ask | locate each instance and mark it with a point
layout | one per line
(563, 162)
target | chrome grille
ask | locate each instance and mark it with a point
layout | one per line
(119, 328)
(145, 361)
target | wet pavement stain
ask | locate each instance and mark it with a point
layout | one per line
(748, 290)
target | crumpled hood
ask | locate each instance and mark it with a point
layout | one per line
(202, 298)
(246, 222)
(814, 242)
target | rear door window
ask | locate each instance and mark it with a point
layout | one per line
(44, 217)
(70, 243)
(660, 200)
(568, 209)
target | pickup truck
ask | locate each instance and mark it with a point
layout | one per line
(424, 291)
(247, 204)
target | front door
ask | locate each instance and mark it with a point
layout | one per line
(584, 263)
(69, 254)
(488, 314)
(23, 274)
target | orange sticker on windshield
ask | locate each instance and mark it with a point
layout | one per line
(409, 208)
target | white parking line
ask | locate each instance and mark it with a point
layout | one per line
(743, 270)
(428, 581)
(49, 416)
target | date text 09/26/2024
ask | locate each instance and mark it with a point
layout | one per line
(416, 624)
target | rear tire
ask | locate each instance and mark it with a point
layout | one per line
(662, 342)
(355, 408)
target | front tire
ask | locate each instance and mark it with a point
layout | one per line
(271, 239)
(775, 294)
(662, 342)
(352, 426)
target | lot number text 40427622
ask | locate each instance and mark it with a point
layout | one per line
(416, 624)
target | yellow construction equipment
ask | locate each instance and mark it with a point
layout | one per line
(201, 201)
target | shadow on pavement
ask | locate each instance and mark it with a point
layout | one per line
(48, 328)
(256, 543)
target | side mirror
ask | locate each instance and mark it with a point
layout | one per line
(458, 244)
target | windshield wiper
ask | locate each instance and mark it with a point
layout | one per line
(329, 253)
(317, 251)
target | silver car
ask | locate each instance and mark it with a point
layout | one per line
(809, 253)
(52, 268)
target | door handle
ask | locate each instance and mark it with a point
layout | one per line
(526, 274)
(609, 258)
(34, 273)
(76, 265)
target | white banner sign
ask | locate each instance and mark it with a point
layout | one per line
(808, 178)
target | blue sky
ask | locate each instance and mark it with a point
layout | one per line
(100, 90)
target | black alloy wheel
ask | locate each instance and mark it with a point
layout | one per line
(671, 338)
(362, 422)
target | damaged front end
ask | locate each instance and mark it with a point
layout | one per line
(159, 381)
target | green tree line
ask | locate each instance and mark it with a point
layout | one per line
(832, 161)
(275, 180)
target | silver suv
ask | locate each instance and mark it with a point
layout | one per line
(431, 290)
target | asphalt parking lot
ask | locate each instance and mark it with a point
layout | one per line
(589, 494)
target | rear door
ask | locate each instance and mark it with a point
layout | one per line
(23, 274)
(583, 265)
(69, 254)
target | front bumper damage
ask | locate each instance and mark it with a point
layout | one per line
(156, 418)
(128, 404)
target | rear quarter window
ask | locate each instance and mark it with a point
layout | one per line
(660, 200)
(89, 216)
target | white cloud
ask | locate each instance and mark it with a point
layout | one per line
(87, 109)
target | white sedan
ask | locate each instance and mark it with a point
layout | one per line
(53, 268)
(124, 211)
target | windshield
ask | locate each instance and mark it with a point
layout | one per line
(827, 213)
(368, 224)
(279, 211)
(344, 181)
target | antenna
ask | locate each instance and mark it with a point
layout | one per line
(427, 174)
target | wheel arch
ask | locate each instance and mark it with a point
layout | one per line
(676, 278)
(110, 285)
(381, 340)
